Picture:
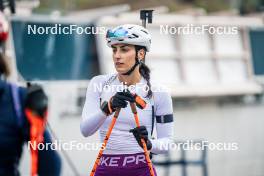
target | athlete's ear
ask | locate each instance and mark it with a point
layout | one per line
(141, 54)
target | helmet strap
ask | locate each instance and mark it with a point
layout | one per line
(138, 62)
(132, 68)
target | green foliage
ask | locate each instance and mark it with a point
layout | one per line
(248, 6)
(173, 5)
(212, 5)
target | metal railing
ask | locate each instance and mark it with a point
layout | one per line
(183, 161)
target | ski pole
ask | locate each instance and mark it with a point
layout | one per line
(105, 142)
(134, 110)
(145, 16)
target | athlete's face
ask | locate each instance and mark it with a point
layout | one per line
(124, 57)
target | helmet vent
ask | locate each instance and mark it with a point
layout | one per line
(144, 31)
(135, 35)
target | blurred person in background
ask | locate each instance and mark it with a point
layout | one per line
(14, 124)
(124, 154)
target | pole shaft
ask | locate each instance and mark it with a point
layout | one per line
(134, 110)
(105, 142)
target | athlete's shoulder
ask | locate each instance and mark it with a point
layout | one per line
(162, 98)
(159, 88)
(103, 78)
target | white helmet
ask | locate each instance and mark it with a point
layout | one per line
(129, 34)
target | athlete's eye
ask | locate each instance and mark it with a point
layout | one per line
(124, 49)
(114, 50)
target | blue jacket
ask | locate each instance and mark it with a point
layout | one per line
(14, 132)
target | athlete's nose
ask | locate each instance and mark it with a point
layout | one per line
(117, 55)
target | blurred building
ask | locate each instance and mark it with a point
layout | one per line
(201, 70)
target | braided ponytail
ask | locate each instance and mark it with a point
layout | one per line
(144, 71)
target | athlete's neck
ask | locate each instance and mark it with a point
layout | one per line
(131, 79)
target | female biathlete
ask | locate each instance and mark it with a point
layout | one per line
(123, 154)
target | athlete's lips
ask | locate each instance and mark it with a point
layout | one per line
(119, 63)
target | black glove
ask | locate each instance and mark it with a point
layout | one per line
(141, 132)
(119, 100)
(36, 100)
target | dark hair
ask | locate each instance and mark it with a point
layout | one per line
(4, 69)
(144, 71)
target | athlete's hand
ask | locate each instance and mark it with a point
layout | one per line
(119, 100)
(139, 133)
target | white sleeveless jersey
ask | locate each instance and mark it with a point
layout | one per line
(121, 141)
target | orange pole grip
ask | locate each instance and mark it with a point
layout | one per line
(140, 102)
